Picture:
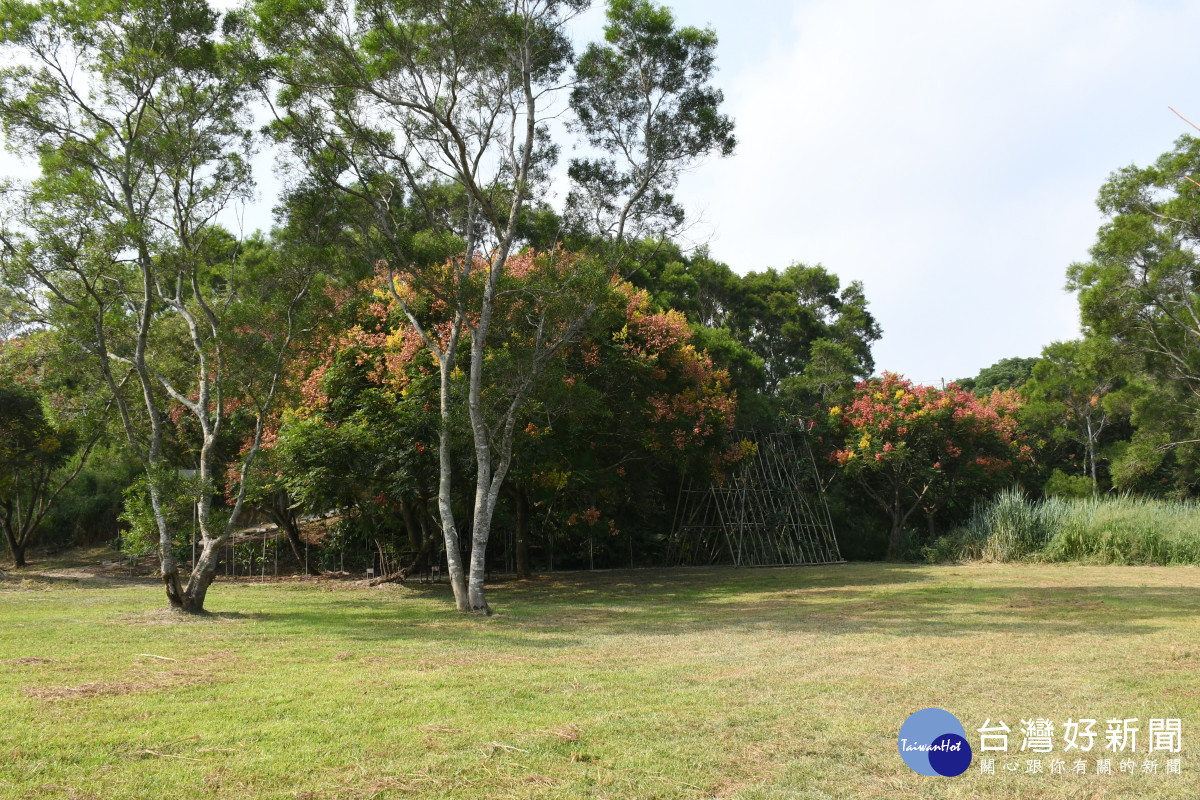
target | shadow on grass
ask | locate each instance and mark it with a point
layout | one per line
(566, 610)
(34, 576)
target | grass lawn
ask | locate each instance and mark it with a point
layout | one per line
(768, 683)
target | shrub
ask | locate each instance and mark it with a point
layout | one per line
(1060, 484)
(1108, 530)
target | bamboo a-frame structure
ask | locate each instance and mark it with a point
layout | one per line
(770, 510)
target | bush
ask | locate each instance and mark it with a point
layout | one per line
(1007, 528)
(1061, 484)
(178, 495)
(1109, 530)
(88, 510)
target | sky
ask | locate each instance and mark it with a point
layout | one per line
(945, 154)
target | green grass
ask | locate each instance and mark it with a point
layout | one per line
(768, 683)
(1108, 530)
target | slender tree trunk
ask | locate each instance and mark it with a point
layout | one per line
(895, 537)
(521, 537)
(168, 568)
(1091, 456)
(481, 531)
(292, 530)
(15, 546)
(897, 532)
(280, 511)
(410, 526)
(454, 565)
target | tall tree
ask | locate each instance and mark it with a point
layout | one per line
(1070, 389)
(1140, 292)
(390, 101)
(783, 314)
(136, 114)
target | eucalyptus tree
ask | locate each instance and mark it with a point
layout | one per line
(136, 115)
(393, 100)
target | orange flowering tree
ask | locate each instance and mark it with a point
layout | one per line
(913, 447)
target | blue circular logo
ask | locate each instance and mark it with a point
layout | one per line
(934, 742)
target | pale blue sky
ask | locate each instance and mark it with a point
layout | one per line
(947, 154)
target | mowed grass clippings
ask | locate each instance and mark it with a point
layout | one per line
(697, 683)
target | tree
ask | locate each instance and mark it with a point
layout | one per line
(918, 447)
(433, 115)
(634, 404)
(1005, 374)
(1070, 389)
(136, 113)
(783, 314)
(364, 439)
(788, 339)
(1140, 292)
(51, 417)
(33, 454)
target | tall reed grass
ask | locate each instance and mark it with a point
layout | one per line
(1108, 530)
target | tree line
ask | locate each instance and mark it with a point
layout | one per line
(427, 344)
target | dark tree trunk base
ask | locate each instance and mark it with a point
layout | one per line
(400, 576)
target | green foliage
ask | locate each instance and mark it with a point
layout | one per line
(40, 452)
(88, 509)
(1060, 484)
(1109, 530)
(1139, 292)
(1007, 373)
(140, 537)
(782, 316)
(1074, 395)
(252, 557)
(860, 524)
(27, 440)
(1007, 528)
(644, 99)
(788, 338)
(177, 493)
